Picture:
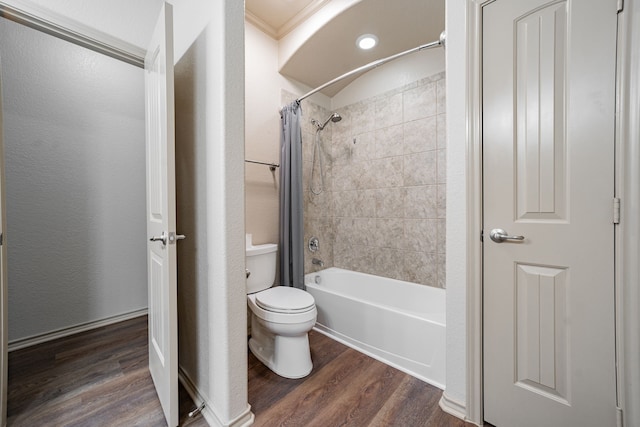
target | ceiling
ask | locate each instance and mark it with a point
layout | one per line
(331, 51)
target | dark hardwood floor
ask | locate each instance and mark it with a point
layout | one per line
(100, 378)
(95, 378)
(346, 388)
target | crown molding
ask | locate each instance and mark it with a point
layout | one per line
(67, 29)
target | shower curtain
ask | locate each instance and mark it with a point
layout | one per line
(291, 221)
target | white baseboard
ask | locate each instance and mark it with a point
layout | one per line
(71, 330)
(453, 407)
(243, 420)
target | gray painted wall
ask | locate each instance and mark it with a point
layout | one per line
(75, 177)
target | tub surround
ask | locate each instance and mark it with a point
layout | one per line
(384, 206)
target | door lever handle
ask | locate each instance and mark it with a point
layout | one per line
(162, 238)
(498, 235)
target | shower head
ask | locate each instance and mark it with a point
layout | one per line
(334, 117)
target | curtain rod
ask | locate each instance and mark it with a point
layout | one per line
(272, 166)
(374, 64)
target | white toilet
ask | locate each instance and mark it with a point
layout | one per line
(280, 316)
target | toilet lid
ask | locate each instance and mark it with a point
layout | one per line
(284, 299)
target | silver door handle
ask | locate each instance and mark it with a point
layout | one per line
(498, 235)
(162, 238)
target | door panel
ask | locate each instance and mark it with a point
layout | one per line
(4, 282)
(161, 216)
(548, 175)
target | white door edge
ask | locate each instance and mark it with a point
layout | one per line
(4, 283)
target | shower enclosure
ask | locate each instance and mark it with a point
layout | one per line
(382, 171)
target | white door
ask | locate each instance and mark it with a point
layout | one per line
(4, 283)
(161, 216)
(548, 166)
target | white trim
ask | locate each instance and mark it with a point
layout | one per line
(474, 406)
(290, 25)
(619, 186)
(260, 24)
(4, 279)
(301, 16)
(71, 330)
(72, 31)
(243, 420)
(628, 189)
(453, 407)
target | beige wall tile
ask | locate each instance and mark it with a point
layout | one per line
(389, 110)
(420, 135)
(389, 141)
(364, 147)
(420, 267)
(442, 271)
(421, 235)
(442, 201)
(441, 244)
(363, 118)
(442, 131)
(389, 202)
(442, 167)
(420, 102)
(441, 103)
(421, 202)
(383, 208)
(387, 233)
(389, 263)
(420, 168)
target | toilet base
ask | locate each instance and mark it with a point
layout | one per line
(287, 356)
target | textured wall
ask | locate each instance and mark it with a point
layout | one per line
(264, 89)
(457, 182)
(383, 209)
(75, 176)
(209, 46)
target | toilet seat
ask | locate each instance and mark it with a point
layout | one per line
(284, 299)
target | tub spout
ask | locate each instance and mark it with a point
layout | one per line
(316, 261)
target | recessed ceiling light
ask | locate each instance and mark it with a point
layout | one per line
(367, 41)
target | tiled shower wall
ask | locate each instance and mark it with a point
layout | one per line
(383, 208)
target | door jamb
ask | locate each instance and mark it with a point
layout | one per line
(627, 273)
(475, 386)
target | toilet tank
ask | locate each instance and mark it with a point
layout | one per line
(261, 263)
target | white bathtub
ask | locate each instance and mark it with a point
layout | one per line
(399, 323)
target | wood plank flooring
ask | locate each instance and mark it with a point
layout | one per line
(95, 378)
(100, 378)
(346, 388)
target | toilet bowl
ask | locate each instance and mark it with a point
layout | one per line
(281, 316)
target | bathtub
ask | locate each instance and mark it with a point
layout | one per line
(399, 323)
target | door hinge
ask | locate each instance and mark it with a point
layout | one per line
(620, 5)
(619, 420)
(482, 235)
(616, 210)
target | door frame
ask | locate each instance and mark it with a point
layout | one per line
(4, 277)
(627, 188)
(73, 32)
